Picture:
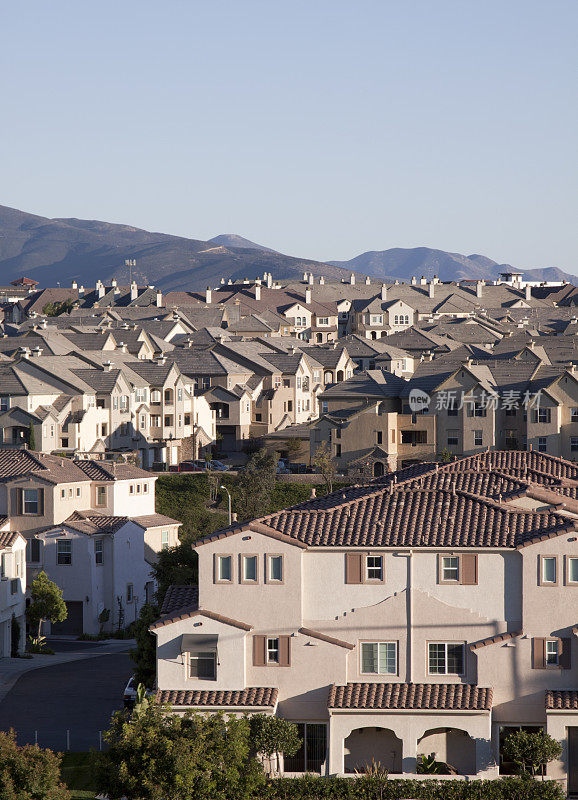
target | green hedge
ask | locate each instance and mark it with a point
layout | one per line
(369, 788)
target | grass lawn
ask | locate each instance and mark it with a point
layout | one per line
(75, 773)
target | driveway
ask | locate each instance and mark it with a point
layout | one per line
(78, 697)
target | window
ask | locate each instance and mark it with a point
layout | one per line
(313, 751)
(379, 437)
(168, 420)
(224, 569)
(274, 569)
(63, 493)
(98, 551)
(574, 414)
(571, 569)
(115, 402)
(101, 495)
(324, 406)
(30, 504)
(298, 382)
(4, 403)
(378, 658)
(551, 652)
(249, 568)
(476, 409)
(338, 451)
(33, 551)
(203, 665)
(131, 489)
(574, 443)
(272, 651)
(374, 568)
(478, 438)
(145, 488)
(78, 491)
(164, 540)
(155, 421)
(376, 319)
(71, 492)
(450, 568)
(323, 320)
(277, 382)
(3, 563)
(129, 593)
(542, 444)
(445, 658)
(138, 488)
(548, 570)
(140, 395)
(179, 395)
(460, 568)
(155, 396)
(64, 552)
(143, 421)
(542, 415)
(124, 402)
(453, 439)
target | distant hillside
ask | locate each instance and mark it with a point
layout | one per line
(60, 250)
(400, 264)
(233, 240)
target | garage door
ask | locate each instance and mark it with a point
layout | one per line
(73, 624)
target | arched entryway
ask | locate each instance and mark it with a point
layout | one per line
(364, 746)
(319, 338)
(378, 469)
(328, 377)
(374, 334)
(451, 745)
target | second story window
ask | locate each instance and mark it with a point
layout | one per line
(572, 569)
(450, 568)
(31, 501)
(542, 416)
(274, 569)
(552, 654)
(273, 651)
(445, 658)
(548, 570)
(164, 540)
(33, 551)
(374, 568)
(98, 551)
(378, 658)
(129, 593)
(101, 495)
(364, 568)
(224, 569)
(203, 665)
(64, 552)
(478, 438)
(249, 569)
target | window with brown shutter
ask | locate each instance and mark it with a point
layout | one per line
(16, 502)
(259, 654)
(469, 569)
(354, 568)
(538, 653)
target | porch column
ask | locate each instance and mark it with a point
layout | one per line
(409, 752)
(335, 749)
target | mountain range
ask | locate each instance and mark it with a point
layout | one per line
(54, 251)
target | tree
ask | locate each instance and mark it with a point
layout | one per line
(256, 484)
(153, 755)
(144, 654)
(175, 565)
(530, 751)
(58, 307)
(445, 456)
(31, 437)
(325, 465)
(46, 602)
(293, 447)
(273, 736)
(29, 772)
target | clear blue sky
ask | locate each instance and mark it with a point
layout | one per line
(322, 128)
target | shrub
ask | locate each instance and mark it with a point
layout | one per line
(29, 772)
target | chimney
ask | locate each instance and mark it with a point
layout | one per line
(234, 516)
(423, 280)
(24, 352)
(413, 280)
(107, 366)
(307, 296)
(352, 279)
(528, 292)
(161, 359)
(383, 292)
(313, 493)
(222, 281)
(113, 283)
(133, 291)
(257, 291)
(321, 281)
(436, 279)
(100, 289)
(122, 347)
(431, 289)
(80, 291)
(208, 296)
(74, 285)
(479, 288)
(159, 298)
(305, 277)
(269, 280)
(36, 352)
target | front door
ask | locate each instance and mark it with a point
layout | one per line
(572, 760)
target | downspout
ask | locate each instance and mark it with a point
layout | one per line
(410, 617)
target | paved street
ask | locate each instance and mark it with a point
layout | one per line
(78, 696)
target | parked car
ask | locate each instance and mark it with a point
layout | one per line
(130, 693)
(283, 466)
(217, 466)
(192, 466)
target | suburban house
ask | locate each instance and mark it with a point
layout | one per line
(432, 612)
(12, 590)
(91, 526)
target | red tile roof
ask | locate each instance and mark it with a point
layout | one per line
(255, 696)
(499, 637)
(411, 697)
(562, 700)
(7, 538)
(323, 637)
(187, 613)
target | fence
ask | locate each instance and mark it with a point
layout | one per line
(75, 740)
